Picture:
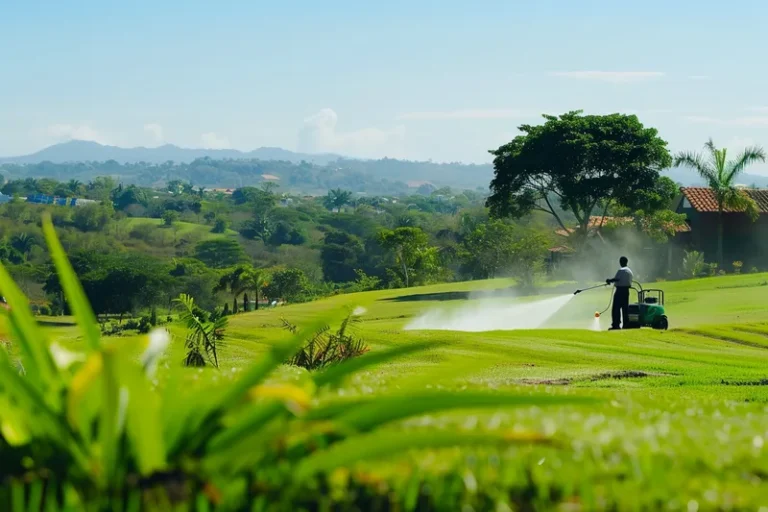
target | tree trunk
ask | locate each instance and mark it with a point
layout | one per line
(405, 268)
(256, 307)
(246, 306)
(720, 238)
(234, 305)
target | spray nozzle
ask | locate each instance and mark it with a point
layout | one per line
(597, 314)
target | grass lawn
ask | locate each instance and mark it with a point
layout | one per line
(682, 417)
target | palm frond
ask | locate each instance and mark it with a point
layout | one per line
(696, 162)
(748, 156)
(736, 199)
(710, 146)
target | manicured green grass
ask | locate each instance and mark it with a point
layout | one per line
(683, 418)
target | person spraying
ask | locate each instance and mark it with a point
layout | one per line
(622, 282)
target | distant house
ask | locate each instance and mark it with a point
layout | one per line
(5, 199)
(660, 259)
(59, 201)
(743, 240)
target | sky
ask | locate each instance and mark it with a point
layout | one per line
(443, 80)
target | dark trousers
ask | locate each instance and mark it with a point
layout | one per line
(620, 307)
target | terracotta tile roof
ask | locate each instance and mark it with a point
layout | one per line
(702, 199)
(597, 221)
(561, 248)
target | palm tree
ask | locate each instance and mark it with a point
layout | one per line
(23, 243)
(255, 280)
(75, 186)
(235, 282)
(337, 198)
(720, 174)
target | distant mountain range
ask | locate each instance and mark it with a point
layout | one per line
(469, 175)
(86, 151)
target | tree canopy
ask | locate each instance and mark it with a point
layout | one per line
(579, 163)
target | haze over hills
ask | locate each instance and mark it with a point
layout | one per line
(391, 170)
(87, 151)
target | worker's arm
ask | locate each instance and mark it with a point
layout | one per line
(614, 278)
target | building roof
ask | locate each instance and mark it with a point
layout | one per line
(598, 221)
(702, 199)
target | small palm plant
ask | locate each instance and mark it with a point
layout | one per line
(89, 429)
(204, 332)
(694, 264)
(720, 174)
(326, 347)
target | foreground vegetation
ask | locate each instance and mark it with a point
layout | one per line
(679, 422)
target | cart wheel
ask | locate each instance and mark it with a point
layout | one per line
(661, 323)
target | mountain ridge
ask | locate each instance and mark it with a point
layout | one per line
(88, 151)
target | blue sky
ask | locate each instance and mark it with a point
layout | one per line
(445, 80)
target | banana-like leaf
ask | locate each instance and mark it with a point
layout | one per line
(108, 422)
(143, 421)
(386, 444)
(385, 409)
(40, 418)
(38, 361)
(252, 422)
(73, 290)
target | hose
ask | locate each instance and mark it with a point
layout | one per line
(610, 301)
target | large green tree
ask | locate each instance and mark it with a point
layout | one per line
(288, 284)
(341, 256)
(496, 247)
(577, 162)
(220, 252)
(720, 174)
(416, 262)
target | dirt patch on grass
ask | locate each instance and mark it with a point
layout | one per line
(564, 381)
(625, 374)
(547, 382)
(761, 382)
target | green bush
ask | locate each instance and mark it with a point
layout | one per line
(88, 430)
(694, 265)
(326, 347)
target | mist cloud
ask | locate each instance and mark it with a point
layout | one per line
(65, 132)
(156, 131)
(211, 140)
(319, 134)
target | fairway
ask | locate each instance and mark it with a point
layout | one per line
(681, 420)
(684, 415)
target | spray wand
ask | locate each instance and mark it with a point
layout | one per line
(590, 288)
(597, 313)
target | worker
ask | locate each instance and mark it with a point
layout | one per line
(623, 282)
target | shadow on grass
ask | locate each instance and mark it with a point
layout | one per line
(54, 323)
(508, 292)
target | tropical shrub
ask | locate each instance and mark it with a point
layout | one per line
(693, 264)
(737, 266)
(204, 332)
(326, 347)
